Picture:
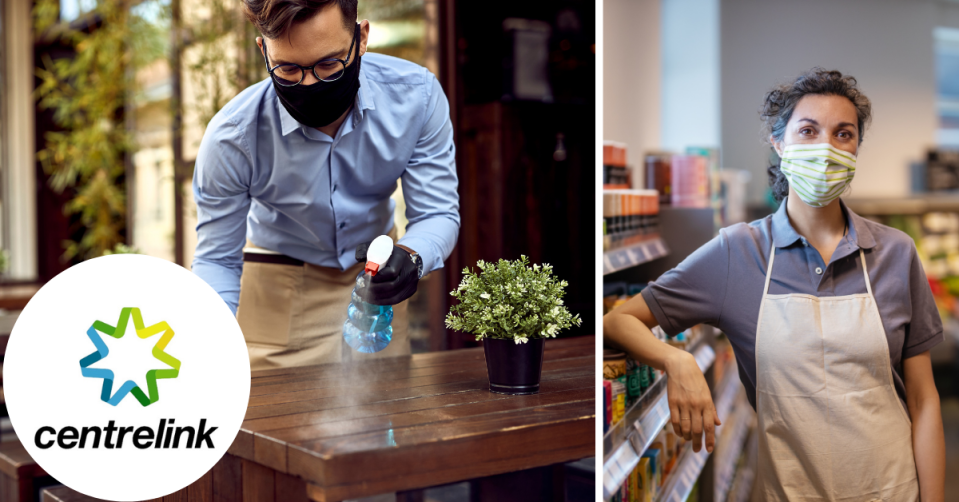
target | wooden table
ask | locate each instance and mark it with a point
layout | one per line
(20, 476)
(16, 295)
(341, 431)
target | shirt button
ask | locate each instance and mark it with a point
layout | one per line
(342, 224)
(334, 188)
(818, 270)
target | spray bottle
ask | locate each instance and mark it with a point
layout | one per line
(368, 327)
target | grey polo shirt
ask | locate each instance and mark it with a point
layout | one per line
(721, 284)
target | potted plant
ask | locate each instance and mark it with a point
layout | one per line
(513, 307)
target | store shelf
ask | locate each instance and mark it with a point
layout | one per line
(742, 488)
(905, 205)
(730, 387)
(690, 465)
(734, 439)
(622, 258)
(737, 422)
(645, 406)
(684, 476)
(619, 431)
(627, 440)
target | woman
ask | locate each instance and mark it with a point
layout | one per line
(830, 317)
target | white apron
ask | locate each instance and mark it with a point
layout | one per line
(831, 424)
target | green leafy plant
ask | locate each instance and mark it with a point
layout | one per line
(87, 93)
(217, 73)
(510, 300)
(122, 249)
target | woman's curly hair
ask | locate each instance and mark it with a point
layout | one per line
(781, 101)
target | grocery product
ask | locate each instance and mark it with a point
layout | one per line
(634, 381)
(646, 479)
(655, 468)
(690, 181)
(629, 216)
(659, 176)
(615, 172)
(673, 442)
(607, 405)
(633, 487)
(614, 364)
(619, 398)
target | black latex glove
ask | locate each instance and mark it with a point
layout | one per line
(395, 281)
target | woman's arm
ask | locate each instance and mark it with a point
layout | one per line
(928, 441)
(691, 407)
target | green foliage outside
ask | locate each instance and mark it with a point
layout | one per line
(219, 74)
(510, 300)
(87, 94)
(122, 249)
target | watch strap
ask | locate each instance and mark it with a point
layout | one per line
(418, 260)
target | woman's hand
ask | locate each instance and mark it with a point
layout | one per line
(691, 407)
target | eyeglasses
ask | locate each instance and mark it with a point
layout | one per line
(325, 70)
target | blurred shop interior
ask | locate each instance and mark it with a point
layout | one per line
(683, 84)
(519, 76)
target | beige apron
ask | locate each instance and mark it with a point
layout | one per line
(293, 315)
(831, 424)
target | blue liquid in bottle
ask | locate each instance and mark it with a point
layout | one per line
(368, 327)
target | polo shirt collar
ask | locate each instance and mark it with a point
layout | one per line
(784, 235)
(364, 101)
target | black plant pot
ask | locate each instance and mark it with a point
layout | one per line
(514, 368)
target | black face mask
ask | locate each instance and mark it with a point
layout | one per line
(320, 104)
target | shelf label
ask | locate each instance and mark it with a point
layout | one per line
(684, 476)
(617, 468)
(630, 256)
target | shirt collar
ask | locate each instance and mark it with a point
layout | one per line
(287, 122)
(364, 98)
(784, 235)
(364, 101)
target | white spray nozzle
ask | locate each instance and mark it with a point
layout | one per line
(380, 250)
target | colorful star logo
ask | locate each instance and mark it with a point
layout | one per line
(129, 387)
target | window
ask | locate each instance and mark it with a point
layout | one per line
(946, 43)
(72, 9)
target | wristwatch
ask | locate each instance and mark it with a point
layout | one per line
(419, 264)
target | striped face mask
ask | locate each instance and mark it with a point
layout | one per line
(817, 173)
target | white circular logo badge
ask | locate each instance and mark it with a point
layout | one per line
(126, 377)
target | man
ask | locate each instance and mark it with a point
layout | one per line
(294, 176)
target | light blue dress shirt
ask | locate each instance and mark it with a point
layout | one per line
(263, 176)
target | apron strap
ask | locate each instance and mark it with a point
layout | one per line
(769, 270)
(762, 302)
(865, 271)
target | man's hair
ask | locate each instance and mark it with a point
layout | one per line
(274, 17)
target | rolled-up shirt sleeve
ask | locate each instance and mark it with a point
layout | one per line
(221, 182)
(430, 187)
(693, 292)
(924, 330)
